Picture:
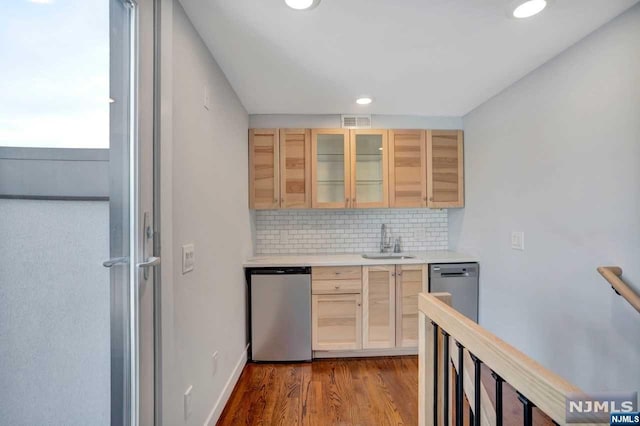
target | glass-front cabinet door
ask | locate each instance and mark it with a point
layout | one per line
(330, 169)
(369, 173)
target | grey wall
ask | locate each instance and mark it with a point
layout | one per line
(54, 172)
(333, 121)
(54, 313)
(556, 156)
(208, 191)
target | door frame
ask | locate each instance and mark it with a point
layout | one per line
(132, 205)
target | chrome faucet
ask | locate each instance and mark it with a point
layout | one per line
(385, 239)
(397, 246)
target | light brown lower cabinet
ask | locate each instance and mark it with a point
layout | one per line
(378, 314)
(365, 307)
(336, 322)
(410, 280)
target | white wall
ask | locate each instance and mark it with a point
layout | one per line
(204, 202)
(557, 155)
(54, 313)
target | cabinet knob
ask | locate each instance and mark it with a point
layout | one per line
(337, 287)
(430, 198)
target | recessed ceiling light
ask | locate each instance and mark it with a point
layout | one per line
(302, 4)
(365, 100)
(528, 8)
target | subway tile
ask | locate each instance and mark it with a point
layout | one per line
(348, 231)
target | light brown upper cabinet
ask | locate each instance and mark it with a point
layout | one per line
(407, 168)
(369, 169)
(295, 168)
(379, 300)
(330, 181)
(342, 169)
(445, 168)
(264, 188)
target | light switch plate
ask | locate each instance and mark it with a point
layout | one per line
(517, 240)
(188, 258)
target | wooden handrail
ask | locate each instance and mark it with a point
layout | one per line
(612, 274)
(545, 389)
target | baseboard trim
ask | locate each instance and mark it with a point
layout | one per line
(365, 353)
(228, 388)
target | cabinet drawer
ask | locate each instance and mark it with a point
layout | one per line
(336, 286)
(336, 273)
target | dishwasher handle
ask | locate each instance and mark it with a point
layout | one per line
(454, 274)
(294, 270)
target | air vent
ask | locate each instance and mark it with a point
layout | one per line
(356, 121)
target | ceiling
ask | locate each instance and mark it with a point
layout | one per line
(414, 57)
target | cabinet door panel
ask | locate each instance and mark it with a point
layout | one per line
(369, 169)
(410, 280)
(407, 168)
(378, 292)
(337, 322)
(295, 168)
(445, 164)
(330, 168)
(263, 169)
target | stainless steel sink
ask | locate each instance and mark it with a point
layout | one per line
(383, 256)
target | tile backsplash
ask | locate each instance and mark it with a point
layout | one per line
(347, 231)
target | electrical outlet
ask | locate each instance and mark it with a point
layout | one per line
(517, 240)
(187, 402)
(207, 97)
(214, 362)
(188, 258)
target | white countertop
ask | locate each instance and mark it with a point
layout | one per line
(357, 259)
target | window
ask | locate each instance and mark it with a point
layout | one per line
(54, 74)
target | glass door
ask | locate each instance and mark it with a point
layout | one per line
(131, 173)
(76, 209)
(330, 169)
(369, 173)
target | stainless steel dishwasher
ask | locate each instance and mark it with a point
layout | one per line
(459, 279)
(280, 314)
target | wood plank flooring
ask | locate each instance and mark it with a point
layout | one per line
(371, 391)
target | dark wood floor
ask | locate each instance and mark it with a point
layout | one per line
(372, 391)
